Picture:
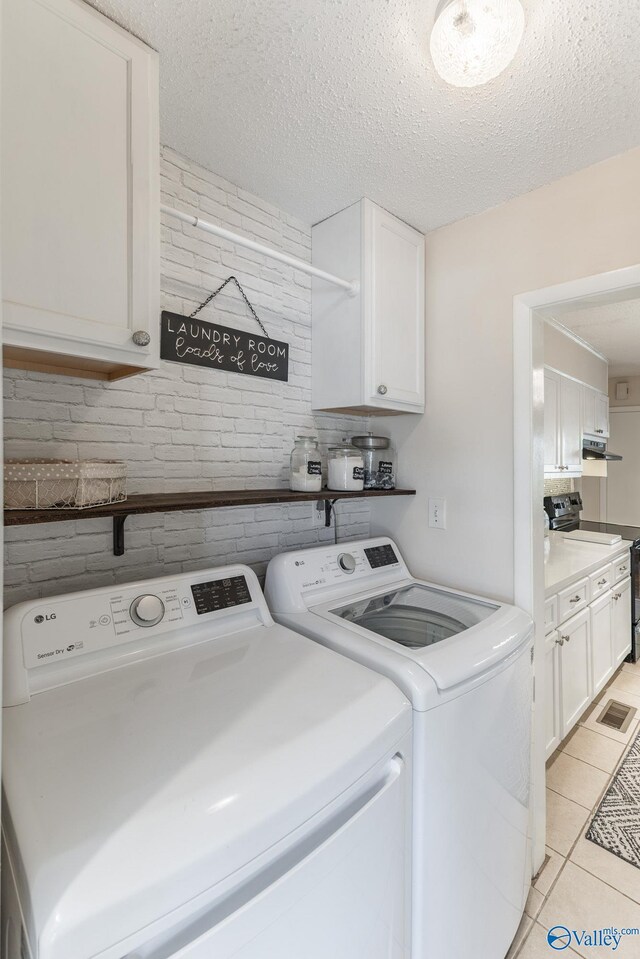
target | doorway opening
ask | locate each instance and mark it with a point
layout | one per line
(531, 310)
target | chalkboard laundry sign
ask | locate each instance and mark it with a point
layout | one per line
(184, 339)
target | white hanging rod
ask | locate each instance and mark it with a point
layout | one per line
(352, 287)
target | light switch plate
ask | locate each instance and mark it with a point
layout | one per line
(437, 513)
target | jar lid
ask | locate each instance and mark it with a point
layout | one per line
(371, 442)
(344, 447)
(306, 439)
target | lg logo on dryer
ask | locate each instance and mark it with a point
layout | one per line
(44, 619)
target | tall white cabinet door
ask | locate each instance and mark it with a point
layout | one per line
(571, 424)
(80, 184)
(575, 669)
(601, 637)
(395, 367)
(602, 415)
(621, 621)
(589, 410)
(551, 692)
(551, 421)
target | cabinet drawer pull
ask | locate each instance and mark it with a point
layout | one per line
(617, 596)
(601, 582)
(382, 389)
(565, 638)
(622, 569)
(560, 641)
(576, 599)
(141, 338)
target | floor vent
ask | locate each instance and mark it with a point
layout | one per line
(616, 715)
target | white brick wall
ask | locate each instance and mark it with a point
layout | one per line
(183, 427)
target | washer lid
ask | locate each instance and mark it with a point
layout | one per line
(132, 792)
(454, 637)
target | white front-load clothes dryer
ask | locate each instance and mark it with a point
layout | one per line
(466, 665)
(186, 779)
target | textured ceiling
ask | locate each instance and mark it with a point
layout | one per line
(613, 330)
(312, 104)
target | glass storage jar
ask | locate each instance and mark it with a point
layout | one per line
(305, 466)
(345, 467)
(379, 461)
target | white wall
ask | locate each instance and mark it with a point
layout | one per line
(565, 355)
(184, 428)
(462, 447)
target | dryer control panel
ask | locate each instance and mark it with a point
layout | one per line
(118, 623)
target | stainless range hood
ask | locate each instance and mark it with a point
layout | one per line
(596, 450)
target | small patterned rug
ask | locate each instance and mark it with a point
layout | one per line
(616, 824)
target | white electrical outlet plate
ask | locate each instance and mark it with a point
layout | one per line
(437, 513)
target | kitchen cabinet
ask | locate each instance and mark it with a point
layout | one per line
(587, 636)
(368, 349)
(595, 413)
(552, 692)
(562, 425)
(80, 192)
(575, 669)
(621, 621)
(602, 667)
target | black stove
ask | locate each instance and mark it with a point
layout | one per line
(563, 511)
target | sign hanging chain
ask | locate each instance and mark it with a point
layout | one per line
(242, 294)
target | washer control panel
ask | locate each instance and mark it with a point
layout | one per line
(328, 566)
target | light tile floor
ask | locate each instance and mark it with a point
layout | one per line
(580, 885)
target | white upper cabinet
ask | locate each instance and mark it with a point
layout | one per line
(368, 349)
(80, 192)
(595, 413)
(562, 425)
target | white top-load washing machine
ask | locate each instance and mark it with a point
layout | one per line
(184, 778)
(465, 663)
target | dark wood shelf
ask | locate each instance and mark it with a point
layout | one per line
(174, 502)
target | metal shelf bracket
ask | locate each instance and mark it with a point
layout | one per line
(118, 535)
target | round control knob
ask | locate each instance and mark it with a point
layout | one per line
(147, 610)
(347, 562)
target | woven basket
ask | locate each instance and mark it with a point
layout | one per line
(63, 484)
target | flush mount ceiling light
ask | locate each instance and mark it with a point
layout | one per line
(472, 41)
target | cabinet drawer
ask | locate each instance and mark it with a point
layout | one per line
(600, 581)
(572, 599)
(620, 568)
(550, 614)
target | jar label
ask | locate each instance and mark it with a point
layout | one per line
(314, 467)
(358, 472)
(385, 467)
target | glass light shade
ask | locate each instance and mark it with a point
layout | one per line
(472, 41)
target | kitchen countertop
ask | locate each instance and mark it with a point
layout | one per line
(570, 560)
